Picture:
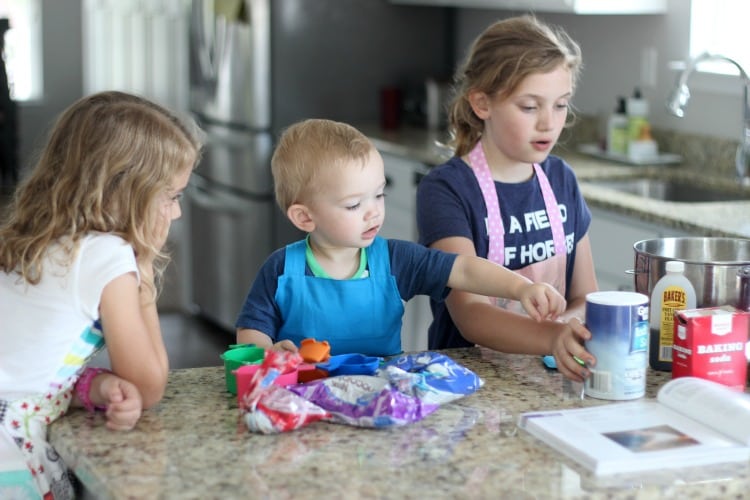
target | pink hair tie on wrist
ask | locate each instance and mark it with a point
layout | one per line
(83, 386)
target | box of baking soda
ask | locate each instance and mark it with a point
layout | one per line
(710, 343)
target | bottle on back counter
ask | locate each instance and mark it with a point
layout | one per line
(673, 292)
(640, 144)
(617, 129)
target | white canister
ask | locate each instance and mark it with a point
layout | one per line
(618, 322)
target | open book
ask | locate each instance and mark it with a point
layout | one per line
(692, 422)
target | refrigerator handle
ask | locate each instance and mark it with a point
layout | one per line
(202, 20)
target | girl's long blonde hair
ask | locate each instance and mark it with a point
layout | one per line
(500, 58)
(106, 167)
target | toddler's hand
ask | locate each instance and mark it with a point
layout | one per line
(123, 400)
(285, 345)
(542, 301)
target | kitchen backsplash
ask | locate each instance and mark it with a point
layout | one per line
(699, 152)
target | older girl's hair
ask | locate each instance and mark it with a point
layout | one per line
(306, 149)
(107, 166)
(500, 58)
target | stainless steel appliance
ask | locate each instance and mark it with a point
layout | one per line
(712, 265)
(232, 209)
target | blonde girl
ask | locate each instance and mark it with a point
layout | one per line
(81, 255)
(503, 196)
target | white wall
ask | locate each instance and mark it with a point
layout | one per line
(612, 48)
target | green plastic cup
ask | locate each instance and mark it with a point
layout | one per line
(236, 357)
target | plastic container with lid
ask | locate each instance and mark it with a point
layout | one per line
(673, 292)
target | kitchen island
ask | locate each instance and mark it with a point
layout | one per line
(195, 445)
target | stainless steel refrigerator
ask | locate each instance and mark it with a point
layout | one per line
(232, 210)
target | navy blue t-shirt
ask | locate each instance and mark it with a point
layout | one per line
(450, 203)
(417, 270)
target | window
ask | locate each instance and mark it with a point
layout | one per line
(23, 48)
(718, 27)
(137, 46)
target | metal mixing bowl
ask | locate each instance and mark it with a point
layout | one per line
(711, 265)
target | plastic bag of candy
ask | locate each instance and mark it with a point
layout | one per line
(364, 401)
(269, 408)
(432, 377)
(404, 390)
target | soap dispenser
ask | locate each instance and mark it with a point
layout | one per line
(637, 111)
(640, 145)
(617, 129)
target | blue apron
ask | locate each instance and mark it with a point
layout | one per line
(355, 316)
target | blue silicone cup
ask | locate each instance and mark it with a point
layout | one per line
(350, 364)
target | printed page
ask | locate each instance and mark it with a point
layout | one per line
(632, 436)
(710, 403)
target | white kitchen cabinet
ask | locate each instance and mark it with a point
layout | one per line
(558, 6)
(612, 238)
(402, 176)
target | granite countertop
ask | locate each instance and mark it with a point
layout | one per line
(728, 219)
(194, 445)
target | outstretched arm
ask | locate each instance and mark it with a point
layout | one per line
(483, 323)
(473, 274)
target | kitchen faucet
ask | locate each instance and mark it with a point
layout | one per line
(681, 94)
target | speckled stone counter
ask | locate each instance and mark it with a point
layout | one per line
(729, 219)
(194, 445)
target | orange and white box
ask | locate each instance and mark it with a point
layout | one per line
(710, 343)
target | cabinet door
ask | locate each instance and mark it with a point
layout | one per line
(612, 238)
(402, 176)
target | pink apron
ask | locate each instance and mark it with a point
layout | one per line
(551, 270)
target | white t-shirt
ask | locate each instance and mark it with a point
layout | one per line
(46, 329)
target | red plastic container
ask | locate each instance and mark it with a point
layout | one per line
(244, 374)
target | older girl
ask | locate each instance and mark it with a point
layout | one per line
(504, 197)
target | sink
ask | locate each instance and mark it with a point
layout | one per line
(672, 189)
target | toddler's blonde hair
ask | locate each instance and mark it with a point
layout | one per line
(106, 167)
(308, 148)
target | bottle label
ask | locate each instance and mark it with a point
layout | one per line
(673, 299)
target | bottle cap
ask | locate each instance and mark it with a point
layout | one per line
(621, 106)
(675, 266)
(637, 107)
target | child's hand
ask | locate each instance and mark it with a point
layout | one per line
(570, 353)
(542, 301)
(123, 400)
(285, 345)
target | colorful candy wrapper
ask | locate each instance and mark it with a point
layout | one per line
(269, 408)
(405, 389)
